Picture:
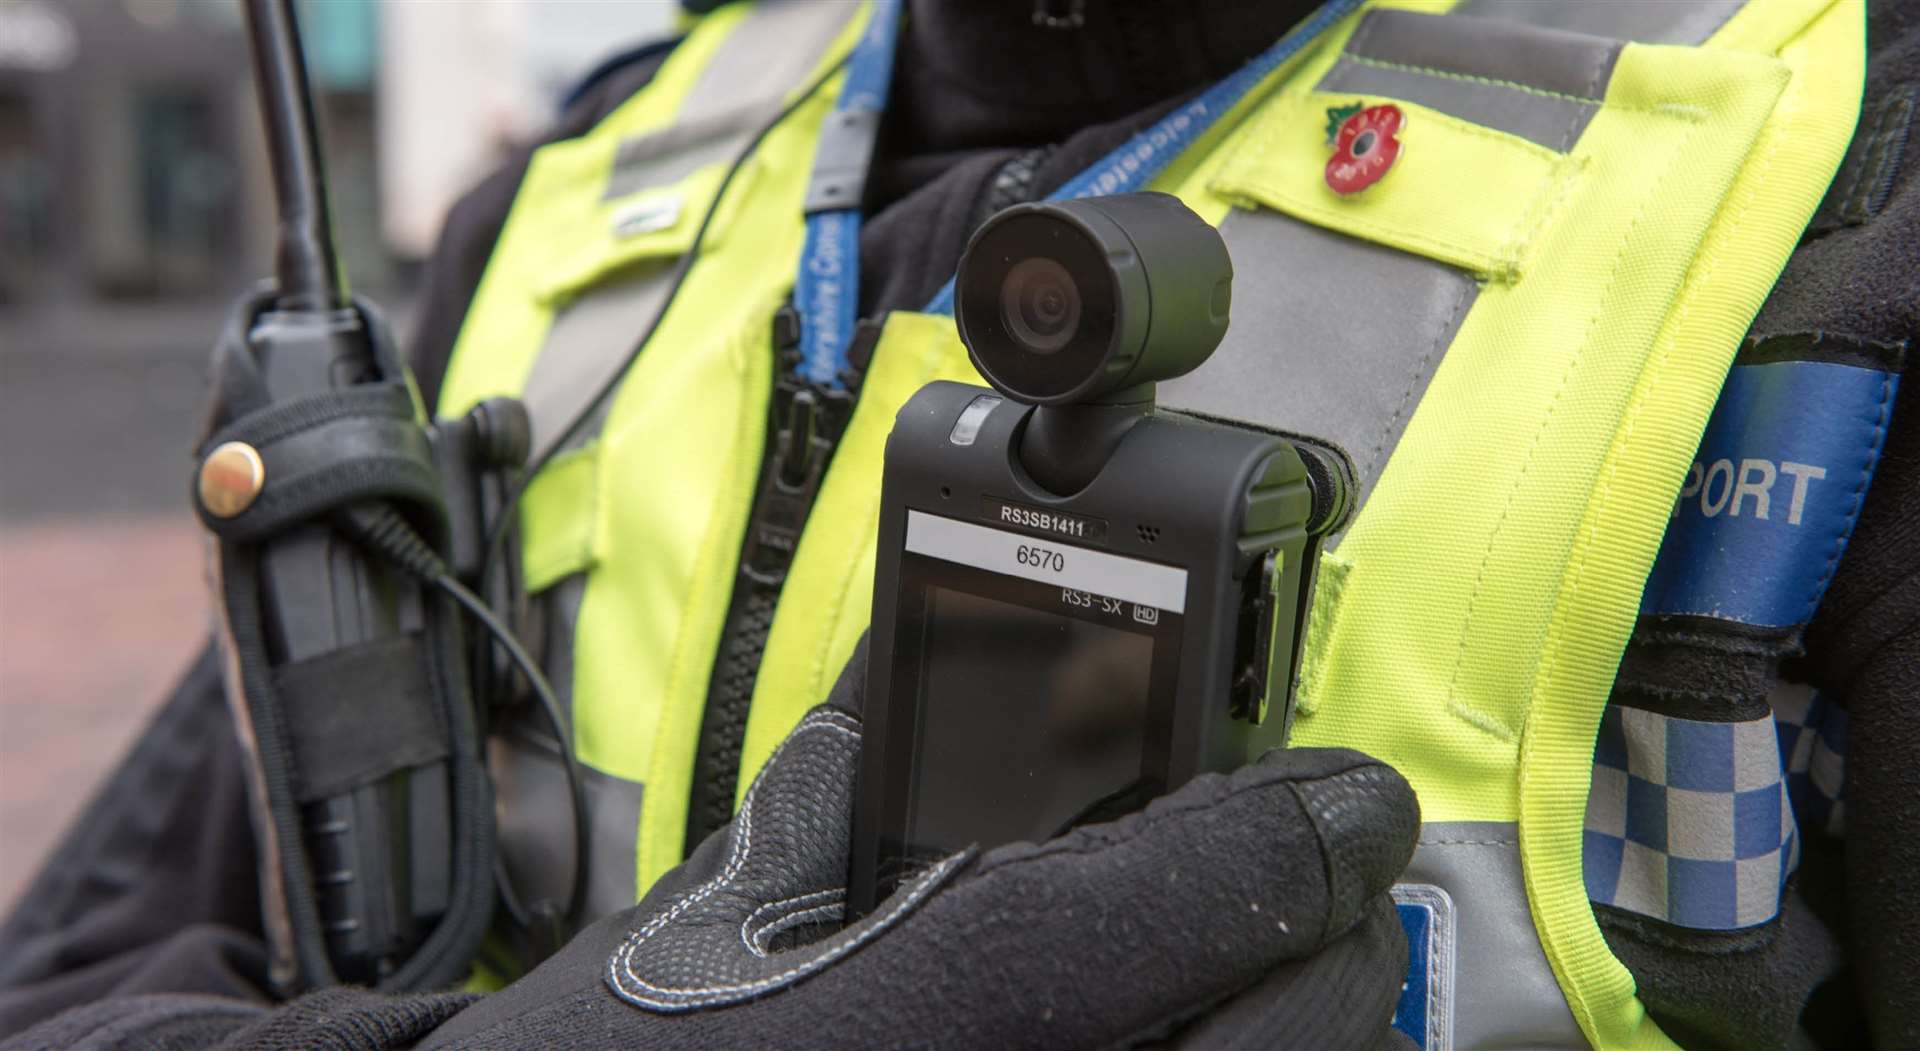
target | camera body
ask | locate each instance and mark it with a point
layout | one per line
(1080, 602)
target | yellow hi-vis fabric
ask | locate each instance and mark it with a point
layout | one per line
(653, 510)
(1468, 626)
(1481, 612)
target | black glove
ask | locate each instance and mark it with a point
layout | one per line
(1242, 911)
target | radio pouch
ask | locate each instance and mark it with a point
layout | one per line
(346, 674)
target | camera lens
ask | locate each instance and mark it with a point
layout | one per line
(1040, 304)
(1092, 299)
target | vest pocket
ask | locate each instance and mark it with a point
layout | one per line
(1456, 192)
(1488, 112)
(1485, 417)
(654, 224)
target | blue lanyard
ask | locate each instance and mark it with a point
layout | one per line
(826, 292)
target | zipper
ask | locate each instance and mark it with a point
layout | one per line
(804, 428)
(806, 421)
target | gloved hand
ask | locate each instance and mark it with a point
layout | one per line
(1241, 911)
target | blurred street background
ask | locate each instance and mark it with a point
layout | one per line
(134, 205)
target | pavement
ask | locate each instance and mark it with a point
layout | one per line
(98, 616)
(103, 601)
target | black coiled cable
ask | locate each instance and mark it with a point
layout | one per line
(385, 531)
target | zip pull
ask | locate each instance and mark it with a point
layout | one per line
(810, 418)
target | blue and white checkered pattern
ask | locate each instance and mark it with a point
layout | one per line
(1813, 747)
(1688, 821)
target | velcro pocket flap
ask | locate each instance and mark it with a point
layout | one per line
(1459, 193)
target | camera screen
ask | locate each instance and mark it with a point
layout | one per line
(1036, 700)
(1058, 702)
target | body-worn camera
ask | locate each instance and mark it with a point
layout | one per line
(1080, 601)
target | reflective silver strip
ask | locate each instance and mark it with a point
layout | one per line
(743, 87)
(536, 827)
(1331, 336)
(1505, 994)
(560, 614)
(1639, 21)
(1353, 372)
(1048, 562)
(586, 347)
(669, 155)
(536, 833)
(1544, 85)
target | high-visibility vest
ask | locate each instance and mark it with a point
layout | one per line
(1518, 333)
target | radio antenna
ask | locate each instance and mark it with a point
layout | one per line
(309, 274)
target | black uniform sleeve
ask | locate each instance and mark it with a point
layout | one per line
(153, 888)
(1854, 276)
(1859, 274)
(339, 1019)
(1865, 645)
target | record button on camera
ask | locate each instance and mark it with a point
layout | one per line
(972, 418)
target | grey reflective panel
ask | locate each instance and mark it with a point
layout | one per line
(671, 154)
(1505, 995)
(768, 54)
(744, 86)
(530, 787)
(1331, 336)
(1640, 21)
(559, 605)
(536, 833)
(1540, 84)
(587, 346)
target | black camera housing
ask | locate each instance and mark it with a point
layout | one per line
(1079, 605)
(1144, 287)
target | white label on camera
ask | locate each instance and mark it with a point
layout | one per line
(1036, 558)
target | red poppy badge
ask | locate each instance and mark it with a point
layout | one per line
(1365, 145)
